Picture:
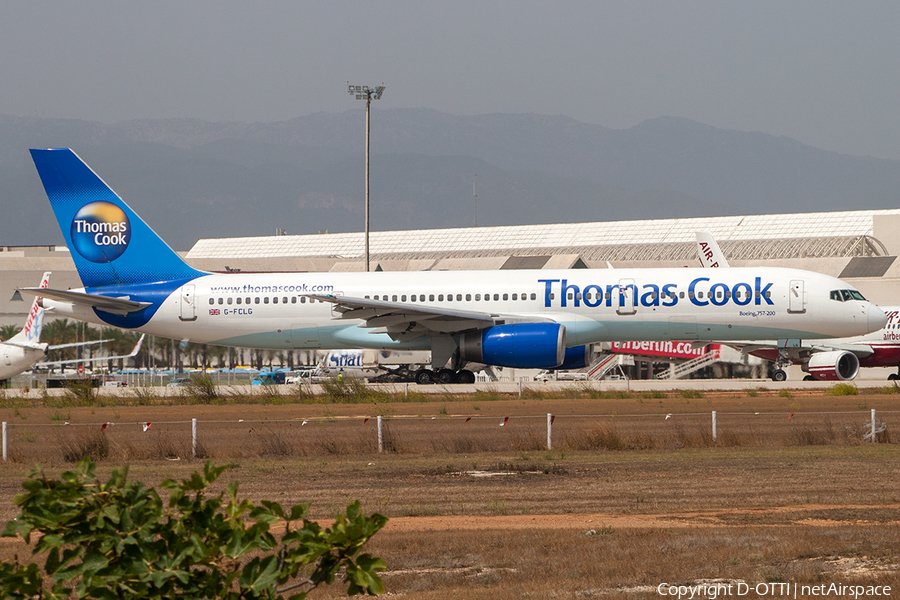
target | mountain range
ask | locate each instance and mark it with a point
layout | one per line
(192, 179)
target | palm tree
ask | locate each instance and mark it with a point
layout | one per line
(8, 331)
(59, 331)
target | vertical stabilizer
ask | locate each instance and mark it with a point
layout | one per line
(710, 254)
(109, 242)
(31, 333)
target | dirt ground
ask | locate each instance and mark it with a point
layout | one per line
(634, 492)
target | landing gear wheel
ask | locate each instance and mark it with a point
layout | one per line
(893, 377)
(424, 377)
(809, 378)
(446, 376)
(779, 375)
(465, 376)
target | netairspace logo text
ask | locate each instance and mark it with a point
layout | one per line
(712, 591)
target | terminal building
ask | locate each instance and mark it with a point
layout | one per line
(860, 247)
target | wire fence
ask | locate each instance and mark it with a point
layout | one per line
(443, 434)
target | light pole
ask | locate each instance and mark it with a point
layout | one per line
(364, 92)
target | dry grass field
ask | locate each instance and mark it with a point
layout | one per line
(635, 492)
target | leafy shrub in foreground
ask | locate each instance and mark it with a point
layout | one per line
(118, 540)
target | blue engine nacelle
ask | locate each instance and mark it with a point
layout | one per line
(578, 357)
(519, 345)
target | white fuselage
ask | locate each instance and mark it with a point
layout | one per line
(275, 311)
(16, 359)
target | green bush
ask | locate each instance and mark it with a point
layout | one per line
(118, 539)
(842, 389)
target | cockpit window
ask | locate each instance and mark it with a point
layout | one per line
(845, 295)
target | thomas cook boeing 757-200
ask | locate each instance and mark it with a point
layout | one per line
(523, 319)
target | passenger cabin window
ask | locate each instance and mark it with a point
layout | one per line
(213, 300)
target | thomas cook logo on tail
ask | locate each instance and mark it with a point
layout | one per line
(101, 232)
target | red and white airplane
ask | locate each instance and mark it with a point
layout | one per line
(830, 360)
(25, 350)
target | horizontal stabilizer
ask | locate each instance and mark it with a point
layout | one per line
(116, 306)
(132, 354)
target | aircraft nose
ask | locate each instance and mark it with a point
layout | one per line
(877, 318)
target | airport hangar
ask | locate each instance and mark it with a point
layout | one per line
(860, 247)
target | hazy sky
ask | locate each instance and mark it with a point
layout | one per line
(825, 73)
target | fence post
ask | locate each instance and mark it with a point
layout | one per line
(194, 438)
(380, 437)
(714, 425)
(873, 433)
(549, 431)
(5, 438)
(520, 388)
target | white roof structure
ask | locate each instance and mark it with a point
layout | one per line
(845, 233)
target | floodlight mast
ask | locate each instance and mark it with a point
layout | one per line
(364, 92)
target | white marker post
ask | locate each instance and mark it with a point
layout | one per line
(5, 446)
(194, 438)
(549, 431)
(380, 436)
(714, 426)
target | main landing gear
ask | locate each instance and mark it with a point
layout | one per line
(783, 360)
(426, 376)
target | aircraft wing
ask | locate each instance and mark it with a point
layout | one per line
(860, 350)
(402, 320)
(75, 344)
(116, 306)
(132, 354)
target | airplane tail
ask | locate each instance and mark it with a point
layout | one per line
(31, 333)
(109, 242)
(711, 256)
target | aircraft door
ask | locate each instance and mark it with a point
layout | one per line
(625, 297)
(797, 297)
(188, 303)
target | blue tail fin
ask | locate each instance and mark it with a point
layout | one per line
(110, 244)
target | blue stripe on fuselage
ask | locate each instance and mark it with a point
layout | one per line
(155, 293)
